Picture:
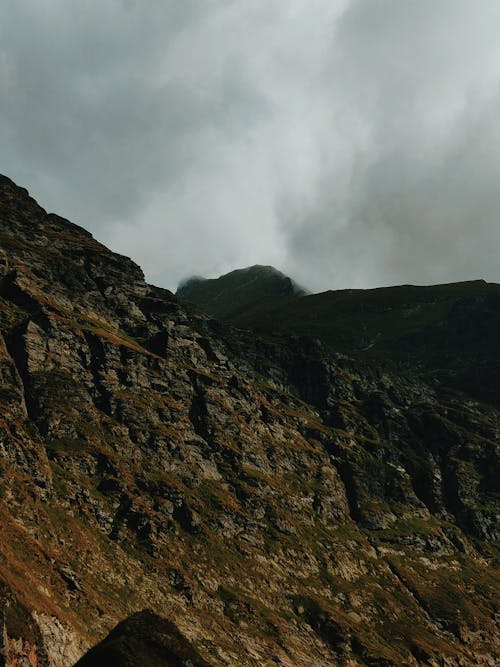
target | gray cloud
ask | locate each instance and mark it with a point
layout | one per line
(351, 143)
(415, 196)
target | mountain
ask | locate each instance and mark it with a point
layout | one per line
(268, 499)
(445, 331)
(237, 294)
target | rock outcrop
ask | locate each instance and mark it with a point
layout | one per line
(144, 639)
(283, 504)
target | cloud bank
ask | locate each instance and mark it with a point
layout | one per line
(349, 143)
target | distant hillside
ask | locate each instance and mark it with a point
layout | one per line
(240, 293)
(449, 330)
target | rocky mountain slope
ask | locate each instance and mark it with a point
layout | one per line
(280, 503)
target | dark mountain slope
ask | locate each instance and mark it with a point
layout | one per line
(283, 504)
(449, 332)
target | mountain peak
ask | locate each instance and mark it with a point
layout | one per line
(238, 291)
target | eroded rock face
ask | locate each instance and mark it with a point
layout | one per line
(32, 639)
(284, 504)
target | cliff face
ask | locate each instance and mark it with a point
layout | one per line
(282, 504)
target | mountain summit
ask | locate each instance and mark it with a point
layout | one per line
(237, 294)
(178, 491)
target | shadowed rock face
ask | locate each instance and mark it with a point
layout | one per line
(143, 639)
(285, 504)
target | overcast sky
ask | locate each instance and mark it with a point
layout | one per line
(351, 143)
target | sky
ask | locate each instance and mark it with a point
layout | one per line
(349, 143)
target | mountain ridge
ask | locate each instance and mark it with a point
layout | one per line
(449, 329)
